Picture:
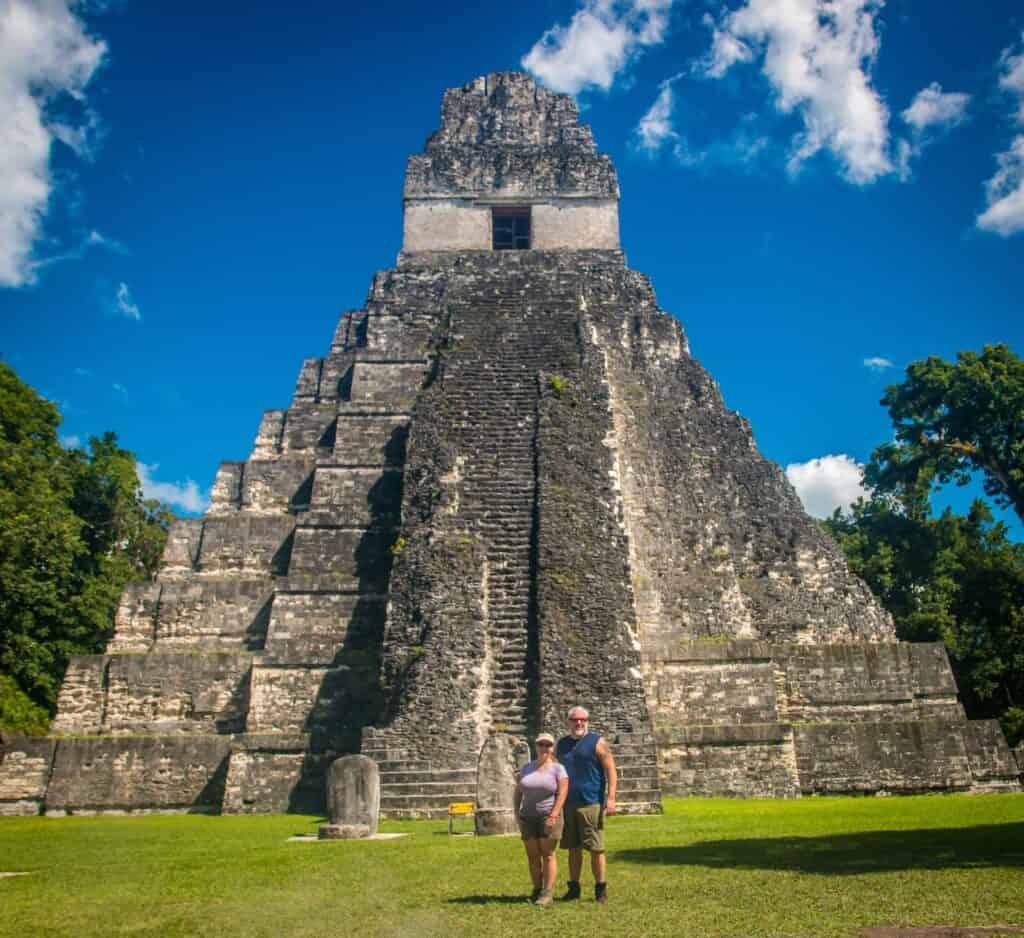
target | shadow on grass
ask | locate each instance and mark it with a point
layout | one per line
(867, 852)
(487, 900)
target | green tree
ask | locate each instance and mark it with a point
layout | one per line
(951, 421)
(958, 580)
(74, 529)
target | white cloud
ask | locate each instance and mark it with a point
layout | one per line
(726, 51)
(827, 483)
(185, 496)
(1004, 192)
(98, 239)
(120, 388)
(45, 56)
(125, 305)
(1012, 78)
(602, 38)
(93, 239)
(740, 150)
(877, 363)
(817, 55)
(655, 127)
(71, 441)
(83, 372)
(932, 113)
(933, 107)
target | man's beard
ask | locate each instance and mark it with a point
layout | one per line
(578, 732)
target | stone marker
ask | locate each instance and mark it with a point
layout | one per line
(353, 799)
(500, 758)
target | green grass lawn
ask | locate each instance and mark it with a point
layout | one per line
(819, 866)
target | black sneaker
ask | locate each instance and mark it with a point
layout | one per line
(572, 891)
(601, 892)
(535, 895)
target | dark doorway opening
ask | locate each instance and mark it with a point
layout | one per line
(510, 228)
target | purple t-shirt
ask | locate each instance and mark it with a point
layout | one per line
(539, 787)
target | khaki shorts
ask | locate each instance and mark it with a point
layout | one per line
(584, 827)
(533, 828)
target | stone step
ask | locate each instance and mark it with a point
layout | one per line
(461, 777)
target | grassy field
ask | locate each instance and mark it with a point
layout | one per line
(829, 866)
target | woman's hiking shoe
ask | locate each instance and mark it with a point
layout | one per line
(601, 892)
(572, 892)
(544, 898)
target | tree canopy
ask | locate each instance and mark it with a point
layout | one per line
(74, 529)
(955, 579)
(954, 420)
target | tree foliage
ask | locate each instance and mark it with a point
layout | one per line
(951, 421)
(958, 580)
(74, 529)
(954, 579)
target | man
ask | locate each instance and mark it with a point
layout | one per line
(593, 784)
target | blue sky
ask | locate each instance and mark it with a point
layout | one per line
(821, 191)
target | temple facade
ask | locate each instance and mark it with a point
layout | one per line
(505, 489)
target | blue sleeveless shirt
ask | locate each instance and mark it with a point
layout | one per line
(586, 777)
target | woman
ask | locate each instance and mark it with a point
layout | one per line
(540, 796)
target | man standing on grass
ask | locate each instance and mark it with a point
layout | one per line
(591, 769)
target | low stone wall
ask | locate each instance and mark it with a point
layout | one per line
(25, 765)
(145, 774)
(274, 773)
(733, 761)
(845, 758)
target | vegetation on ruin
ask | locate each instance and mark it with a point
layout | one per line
(951, 578)
(811, 867)
(74, 529)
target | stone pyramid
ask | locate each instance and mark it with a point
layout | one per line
(505, 489)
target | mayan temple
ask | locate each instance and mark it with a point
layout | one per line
(506, 488)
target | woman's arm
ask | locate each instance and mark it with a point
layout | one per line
(556, 810)
(518, 797)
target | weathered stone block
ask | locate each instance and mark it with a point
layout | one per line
(501, 757)
(368, 440)
(351, 559)
(388, 386)
(731, 761)
(273, 774)
(717, 693)
(25, 763)
(254, 543)
(178, 773)
(135, 619)
(181, 551)
(167, 692)
(82, 696)
(281, 484)
(841, 758)
(315, 628)
(993, 766)
(213, 613)
(226, 492)
(356, 497)
(309, 427)
(353, 799)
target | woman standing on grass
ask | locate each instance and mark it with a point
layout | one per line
(540, 795)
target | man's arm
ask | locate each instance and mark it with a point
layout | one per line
(607, 762)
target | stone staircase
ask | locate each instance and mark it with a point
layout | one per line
(411, 788)
(637, 762)
(499, 488)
